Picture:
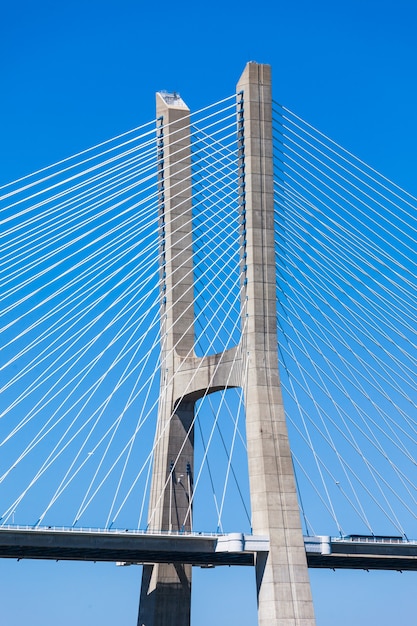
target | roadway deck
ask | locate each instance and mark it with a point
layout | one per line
(129, 546)
(368, 553)
(204, 550)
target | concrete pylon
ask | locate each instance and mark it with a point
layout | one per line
(166, 588)
(284, 597)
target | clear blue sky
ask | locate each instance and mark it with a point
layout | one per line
(73, 74)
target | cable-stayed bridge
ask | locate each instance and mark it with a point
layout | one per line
(145, 248)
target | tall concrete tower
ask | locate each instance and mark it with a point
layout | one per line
(284, 597)
(284, 594)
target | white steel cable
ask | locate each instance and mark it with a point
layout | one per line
(370, 438)
(382, 316)
(355, 158)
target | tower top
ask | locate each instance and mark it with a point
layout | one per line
(172, 99)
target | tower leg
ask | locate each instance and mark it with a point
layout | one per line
(165, 598)
(284, 596)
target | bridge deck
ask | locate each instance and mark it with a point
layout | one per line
(204, 550)
(129, 546)
(361, 553)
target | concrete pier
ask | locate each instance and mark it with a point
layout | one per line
(166, 587)
(284, 596)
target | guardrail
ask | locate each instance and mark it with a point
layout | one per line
(110, 531)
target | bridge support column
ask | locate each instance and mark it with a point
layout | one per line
(166, 589)
(284, 594)
(165, 598)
